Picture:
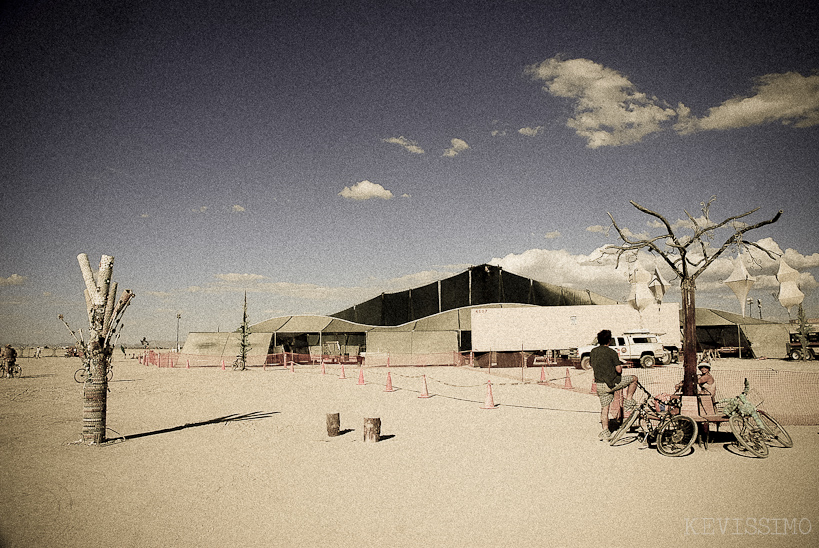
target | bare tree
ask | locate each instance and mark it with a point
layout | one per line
(244, 345)
(104, 316)
(689, 256)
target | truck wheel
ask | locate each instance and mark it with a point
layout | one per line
(585, 363)
(796, 355)
(647, 361)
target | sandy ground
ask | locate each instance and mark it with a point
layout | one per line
(222, 458)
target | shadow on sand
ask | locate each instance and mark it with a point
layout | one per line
(255, 415)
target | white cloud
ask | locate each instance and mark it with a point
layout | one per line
(14, 279)
(598, 228)
(200, 209)
(365, 190)
(789, 98)
(552, 235)
(608, 109)
(159, 294)
(237, 208)
(498, 133)
(530, 131)
(234, 277)
(409, 145)
(458, 146)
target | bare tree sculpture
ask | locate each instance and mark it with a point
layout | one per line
(689, 256)
(244, 345)
(104, 316)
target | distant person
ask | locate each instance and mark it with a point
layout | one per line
(608, 379)
(9, 356)
(38, 352)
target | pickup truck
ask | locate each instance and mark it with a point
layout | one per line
(794, 346)
(639, 347)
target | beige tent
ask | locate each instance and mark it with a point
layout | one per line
(213, 348)
(720, 329)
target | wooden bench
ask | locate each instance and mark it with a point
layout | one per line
(701, 409)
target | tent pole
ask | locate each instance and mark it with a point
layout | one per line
(739, 341)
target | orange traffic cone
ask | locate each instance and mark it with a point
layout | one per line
(360, 375)
(425, 393)
(187, 364)
(542, 375)
(490, 403)
(223, 365)
(323, 371)
(568, 384)
(389, 383)
(342, 376)
(292, 367)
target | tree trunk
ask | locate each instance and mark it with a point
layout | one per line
(95, 391)
(688, 290)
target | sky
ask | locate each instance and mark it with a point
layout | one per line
(317, 154)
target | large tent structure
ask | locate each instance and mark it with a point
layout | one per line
(428, 324)
(759, 338)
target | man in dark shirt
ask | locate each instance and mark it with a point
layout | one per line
(608, 379)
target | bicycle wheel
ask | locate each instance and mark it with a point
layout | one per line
(775, 429)
(676, 436)
(749, 436)
(18, 371)
(80, 375)
(627, 424)
(110, 373)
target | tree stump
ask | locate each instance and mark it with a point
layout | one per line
(372, 430)
(333, 424)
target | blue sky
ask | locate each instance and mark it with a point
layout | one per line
(318, 154)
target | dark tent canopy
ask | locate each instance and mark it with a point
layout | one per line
(484, 284)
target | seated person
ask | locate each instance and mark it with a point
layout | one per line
(705, 382)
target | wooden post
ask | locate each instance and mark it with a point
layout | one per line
(688, 290)
(372, 430)
(333, 424)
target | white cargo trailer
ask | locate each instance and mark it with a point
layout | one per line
(565, 328)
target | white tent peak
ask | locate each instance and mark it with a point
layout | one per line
(740, 282)
(789, 293)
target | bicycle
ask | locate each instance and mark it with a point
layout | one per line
(83, 374)
(655, 419)
(14, 370)
(754, 429)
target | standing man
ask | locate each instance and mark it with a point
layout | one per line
(608, 379)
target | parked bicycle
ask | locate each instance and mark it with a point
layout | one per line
(659, 420)
(754, 429)
(83, 374)
(14, 370)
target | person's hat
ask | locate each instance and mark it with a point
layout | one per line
(700, 366)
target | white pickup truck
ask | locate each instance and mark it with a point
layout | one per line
(640, 347)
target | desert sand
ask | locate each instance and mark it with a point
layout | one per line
(204, 457)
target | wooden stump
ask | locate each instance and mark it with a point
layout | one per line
(333, 424)
(372, 430)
